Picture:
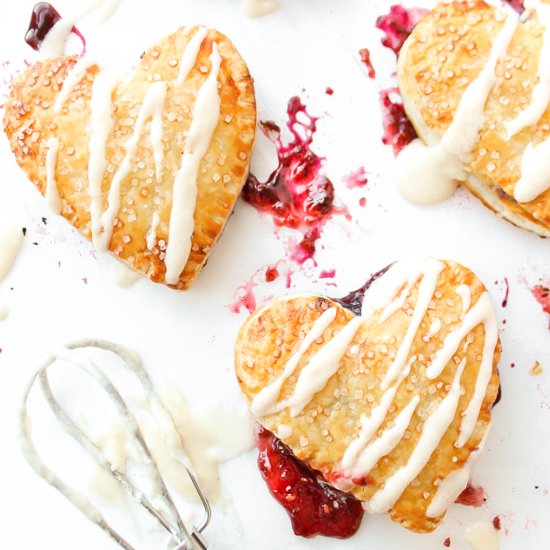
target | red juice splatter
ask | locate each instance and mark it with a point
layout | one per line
(329, 91)
(244, 298)
(362, 201)
(364, 55)
(296, 195)
(541, 293)
(506, 292)
(398, 130)
(496, 523)
(447, 542)
(472, 496)
(271, 273)
(398, 24)
(43, 18)
(357, 178)
(314, 506)
(515, 4)
(327, 274)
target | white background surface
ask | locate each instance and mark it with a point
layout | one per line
(188, 338)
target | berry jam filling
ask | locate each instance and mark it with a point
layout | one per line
(541, 294)
(515, 4)
(44, 17)
(472, 496)
(398, 24)
(296, 195)
(314, 507)
(354, 300)
(398, 130)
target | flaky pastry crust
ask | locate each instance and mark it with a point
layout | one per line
(29, 122)
(331, 420)
(446, 51)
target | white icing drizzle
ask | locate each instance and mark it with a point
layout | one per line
(206, 114)
(257, 8)
(52, 194)
(190, 54)
(76, 74)
(465, 295)
(541, 92)
(265, 401)
(450, 487)
(482, 536)
(462, 134)
(11, 239)
(426, 175)
(435, 327)
(321, 367)
(284, 431)
(481, 313)
(535, 172)
(152, 106)
(399, 275)
(369, 426)
(101, 121)
(381, 446)
(433, 430)
(152, 233)
(54, 43)
(122, 275)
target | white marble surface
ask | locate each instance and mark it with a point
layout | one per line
(187, 338)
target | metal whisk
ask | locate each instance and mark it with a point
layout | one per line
(181, 537)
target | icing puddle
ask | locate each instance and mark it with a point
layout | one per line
(137, 434)
(297, 196)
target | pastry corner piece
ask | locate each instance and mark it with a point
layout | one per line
(475, 82)
(147, 165)
(392, 406)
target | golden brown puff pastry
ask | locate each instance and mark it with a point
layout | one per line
(175, 192)
(446, 52)
(392, 406)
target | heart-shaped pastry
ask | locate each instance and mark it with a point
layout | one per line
(149, 167)
(393, 405)
(475, 83)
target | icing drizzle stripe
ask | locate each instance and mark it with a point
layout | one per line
(206, 114)
(433, 430)
(265, 401)
(152, 106)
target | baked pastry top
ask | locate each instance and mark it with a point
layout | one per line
(393, 405)
(148, 166)
(479, 68)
